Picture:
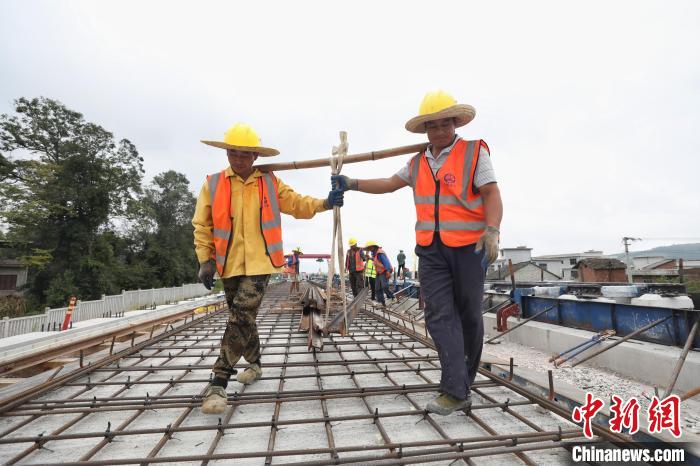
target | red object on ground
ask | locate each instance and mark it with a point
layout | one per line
(502, 316)
(69, 313)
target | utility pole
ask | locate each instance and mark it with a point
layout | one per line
(627, 240)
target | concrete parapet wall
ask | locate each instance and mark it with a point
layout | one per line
(108, 306)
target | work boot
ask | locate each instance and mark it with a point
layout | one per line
(214, 401)
(445, 404)
(250, 375)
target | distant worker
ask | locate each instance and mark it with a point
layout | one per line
(238, 233)
(401, 259)
(355, 265)
(370, 274)
(459, 211)
(383, 269)
(293, 264)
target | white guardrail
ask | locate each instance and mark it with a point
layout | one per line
(108, 306)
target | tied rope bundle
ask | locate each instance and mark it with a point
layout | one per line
(336, 163)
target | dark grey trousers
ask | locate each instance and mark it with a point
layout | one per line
(357, 282)
(371, 281)
(382, 288)
(452, 283)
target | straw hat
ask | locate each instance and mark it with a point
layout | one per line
(244, 138)
(439, 105)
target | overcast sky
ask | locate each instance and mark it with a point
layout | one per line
(591, 110)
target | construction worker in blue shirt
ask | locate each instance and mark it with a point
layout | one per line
(383, 268)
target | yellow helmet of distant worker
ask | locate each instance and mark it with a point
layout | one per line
(352, 242)
(297, 249)
(370, 243)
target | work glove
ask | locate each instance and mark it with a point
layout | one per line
(343, 183)
(489, 240)
(206, 273)
(335, 199)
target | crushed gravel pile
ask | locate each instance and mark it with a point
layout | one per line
(601, 382)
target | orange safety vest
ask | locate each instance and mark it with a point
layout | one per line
(379, 266)
(447, 202)
(359, 263)
(270, 222)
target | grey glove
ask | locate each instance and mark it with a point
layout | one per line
(489, 239)
(206, 273)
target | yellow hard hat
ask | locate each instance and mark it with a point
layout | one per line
(244, 138)
(352, 242)
(438, 105)
(369, 244)
(241, 134)
(433, 102)
(297, 249)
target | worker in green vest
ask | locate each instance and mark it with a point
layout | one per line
(370, 274)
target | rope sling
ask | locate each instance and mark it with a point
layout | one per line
(337, 253)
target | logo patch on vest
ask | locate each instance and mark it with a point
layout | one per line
(449, 178)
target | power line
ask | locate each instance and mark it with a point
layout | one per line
(672, 238)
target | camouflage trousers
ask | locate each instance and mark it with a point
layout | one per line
(244, 295)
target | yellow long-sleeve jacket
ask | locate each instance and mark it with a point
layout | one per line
(247, 254)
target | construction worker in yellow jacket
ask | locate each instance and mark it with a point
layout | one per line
(238, 234)
(459, 211)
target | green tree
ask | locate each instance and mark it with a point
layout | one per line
(164, 232)
(65, 181)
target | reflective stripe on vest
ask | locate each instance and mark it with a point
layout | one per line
(359, 263)
(220, 196)
(450, 196)
(270, 221)
(370, 271)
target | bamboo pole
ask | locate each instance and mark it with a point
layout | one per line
(690, 393)
(354, 158)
